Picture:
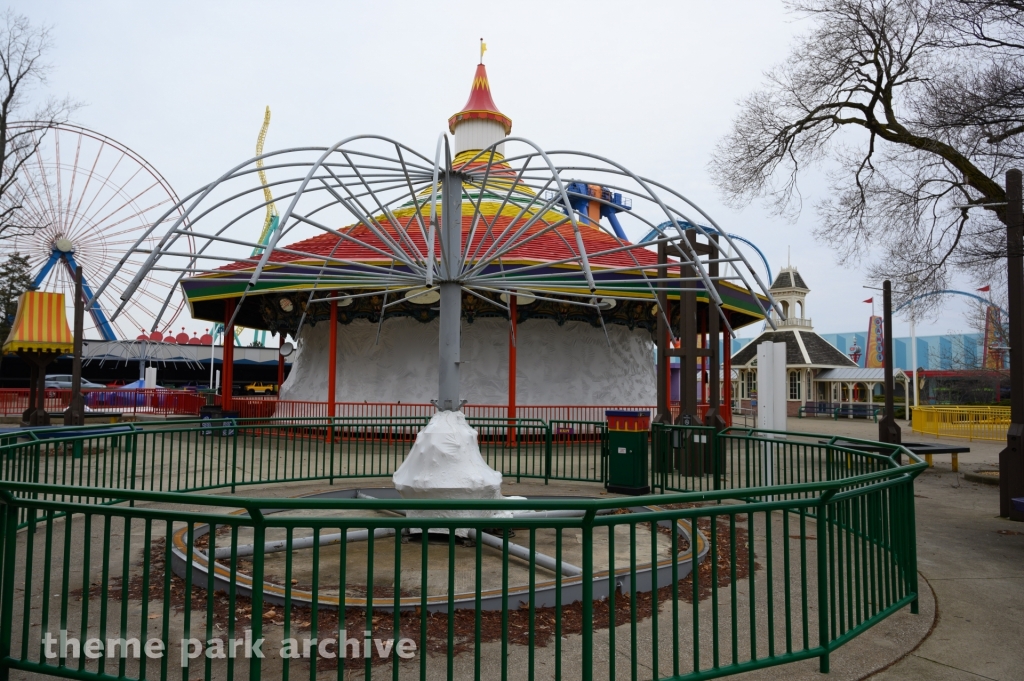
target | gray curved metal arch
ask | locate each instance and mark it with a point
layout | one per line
(370, 185)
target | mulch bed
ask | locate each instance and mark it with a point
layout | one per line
(464, 621)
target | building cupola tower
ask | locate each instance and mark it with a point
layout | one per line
(479, 124)
(791, 292)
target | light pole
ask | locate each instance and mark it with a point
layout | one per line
(912, 279)
(888, 430)
(913, 357)
(1011, 459)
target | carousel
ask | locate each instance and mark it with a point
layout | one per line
(556, 305)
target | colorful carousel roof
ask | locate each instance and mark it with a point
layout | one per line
(542, 255)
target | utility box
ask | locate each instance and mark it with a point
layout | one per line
(627, 451)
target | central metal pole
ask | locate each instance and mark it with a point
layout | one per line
(450, 332)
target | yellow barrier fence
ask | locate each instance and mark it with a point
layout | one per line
(970, 423)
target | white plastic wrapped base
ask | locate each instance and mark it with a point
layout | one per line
(445, 463)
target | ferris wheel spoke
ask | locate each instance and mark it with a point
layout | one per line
(132, 321)
(56, 146)
(137, 214)
(87, 212)
(122, 242)
(60, 177)
(105, 221)
(34, 198)
(74, 174)
(89, 176)
(109, 174)
(46, 186)
(45, 191)
(31, 215)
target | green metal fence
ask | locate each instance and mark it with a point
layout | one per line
(762, 550)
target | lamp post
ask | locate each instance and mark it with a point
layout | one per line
(912, 279)
(1011, 459)
(888, 430)
(913, 359)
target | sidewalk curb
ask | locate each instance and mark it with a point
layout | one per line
(931, 630)
(983, 479)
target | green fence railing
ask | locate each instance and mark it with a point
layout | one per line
(760, 550)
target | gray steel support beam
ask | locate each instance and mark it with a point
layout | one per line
(449, 340)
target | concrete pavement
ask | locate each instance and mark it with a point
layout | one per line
(973, 561)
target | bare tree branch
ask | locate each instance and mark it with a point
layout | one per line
(23, 49)
(914, 109)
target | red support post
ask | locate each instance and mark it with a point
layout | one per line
(705, 365)
(227, 372)
(332, 360)
(727, 374)
(668, 372)
(513, 311)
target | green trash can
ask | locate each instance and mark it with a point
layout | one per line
(628, 433)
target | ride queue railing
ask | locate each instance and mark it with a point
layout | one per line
(802, 545)
(972, 423)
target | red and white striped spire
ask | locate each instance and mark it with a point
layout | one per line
(479, 124)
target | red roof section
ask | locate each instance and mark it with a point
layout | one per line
(480, 104)
(555, 245)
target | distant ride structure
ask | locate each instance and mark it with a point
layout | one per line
(86, 199)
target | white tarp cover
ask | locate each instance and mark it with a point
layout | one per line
(445, 463)
(570, 364)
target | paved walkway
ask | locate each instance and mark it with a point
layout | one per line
(973, 561)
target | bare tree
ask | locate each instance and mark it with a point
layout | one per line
(913, 110)
(23, 68)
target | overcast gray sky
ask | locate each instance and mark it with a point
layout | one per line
(650, 84)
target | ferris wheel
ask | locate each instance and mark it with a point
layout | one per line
(85, 201)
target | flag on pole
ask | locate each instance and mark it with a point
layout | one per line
(483, 48)
(985, 289)
(870, 300)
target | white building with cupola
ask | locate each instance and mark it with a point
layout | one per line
(820, 377)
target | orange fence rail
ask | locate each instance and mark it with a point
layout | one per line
(265, 407)
(159, 401)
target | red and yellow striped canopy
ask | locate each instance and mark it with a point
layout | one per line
(40, 325)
